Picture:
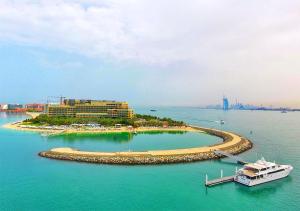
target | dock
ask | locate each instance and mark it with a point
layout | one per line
(221, 180)
(218, 181)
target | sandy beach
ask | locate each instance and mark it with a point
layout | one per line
(235, 140)
(232, 143)
(18, 126)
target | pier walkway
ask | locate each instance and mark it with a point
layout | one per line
(218, 181)
(234, 157)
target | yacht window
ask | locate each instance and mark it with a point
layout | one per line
(276, 171)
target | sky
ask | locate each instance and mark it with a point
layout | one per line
(148, 52)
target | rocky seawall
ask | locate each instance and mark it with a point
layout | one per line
(232, 143)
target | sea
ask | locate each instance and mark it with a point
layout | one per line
(30, 182)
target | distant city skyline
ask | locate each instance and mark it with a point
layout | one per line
(150, 53)
(226, 105)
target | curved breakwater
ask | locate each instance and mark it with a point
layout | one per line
(232, 143)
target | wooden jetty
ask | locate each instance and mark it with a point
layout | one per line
(218, 181)
(221, 180)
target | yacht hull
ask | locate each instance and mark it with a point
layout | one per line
(263, 178)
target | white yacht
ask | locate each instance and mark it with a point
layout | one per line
(261, 172)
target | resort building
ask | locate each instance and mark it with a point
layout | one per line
(90, 108)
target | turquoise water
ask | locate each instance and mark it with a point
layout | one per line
(134, 142)
(29, 182)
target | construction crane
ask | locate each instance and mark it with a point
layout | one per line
(61, 99)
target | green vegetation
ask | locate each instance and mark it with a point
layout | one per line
(138, 121)
(148, 120)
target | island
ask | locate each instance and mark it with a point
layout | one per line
(62, 120)
(77, 125)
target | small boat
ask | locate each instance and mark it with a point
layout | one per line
(222, 122)
(153, 110)
(261, 172)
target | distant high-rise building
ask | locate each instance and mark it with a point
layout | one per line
(3, 106)
(35, 107)
(225, 104)
(14, 106)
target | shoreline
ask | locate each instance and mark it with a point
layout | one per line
(16, 126)
(232, 143)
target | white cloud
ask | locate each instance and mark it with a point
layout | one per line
(152, 32)
(237, 41)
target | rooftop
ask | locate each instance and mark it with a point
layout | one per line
(260, 164)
